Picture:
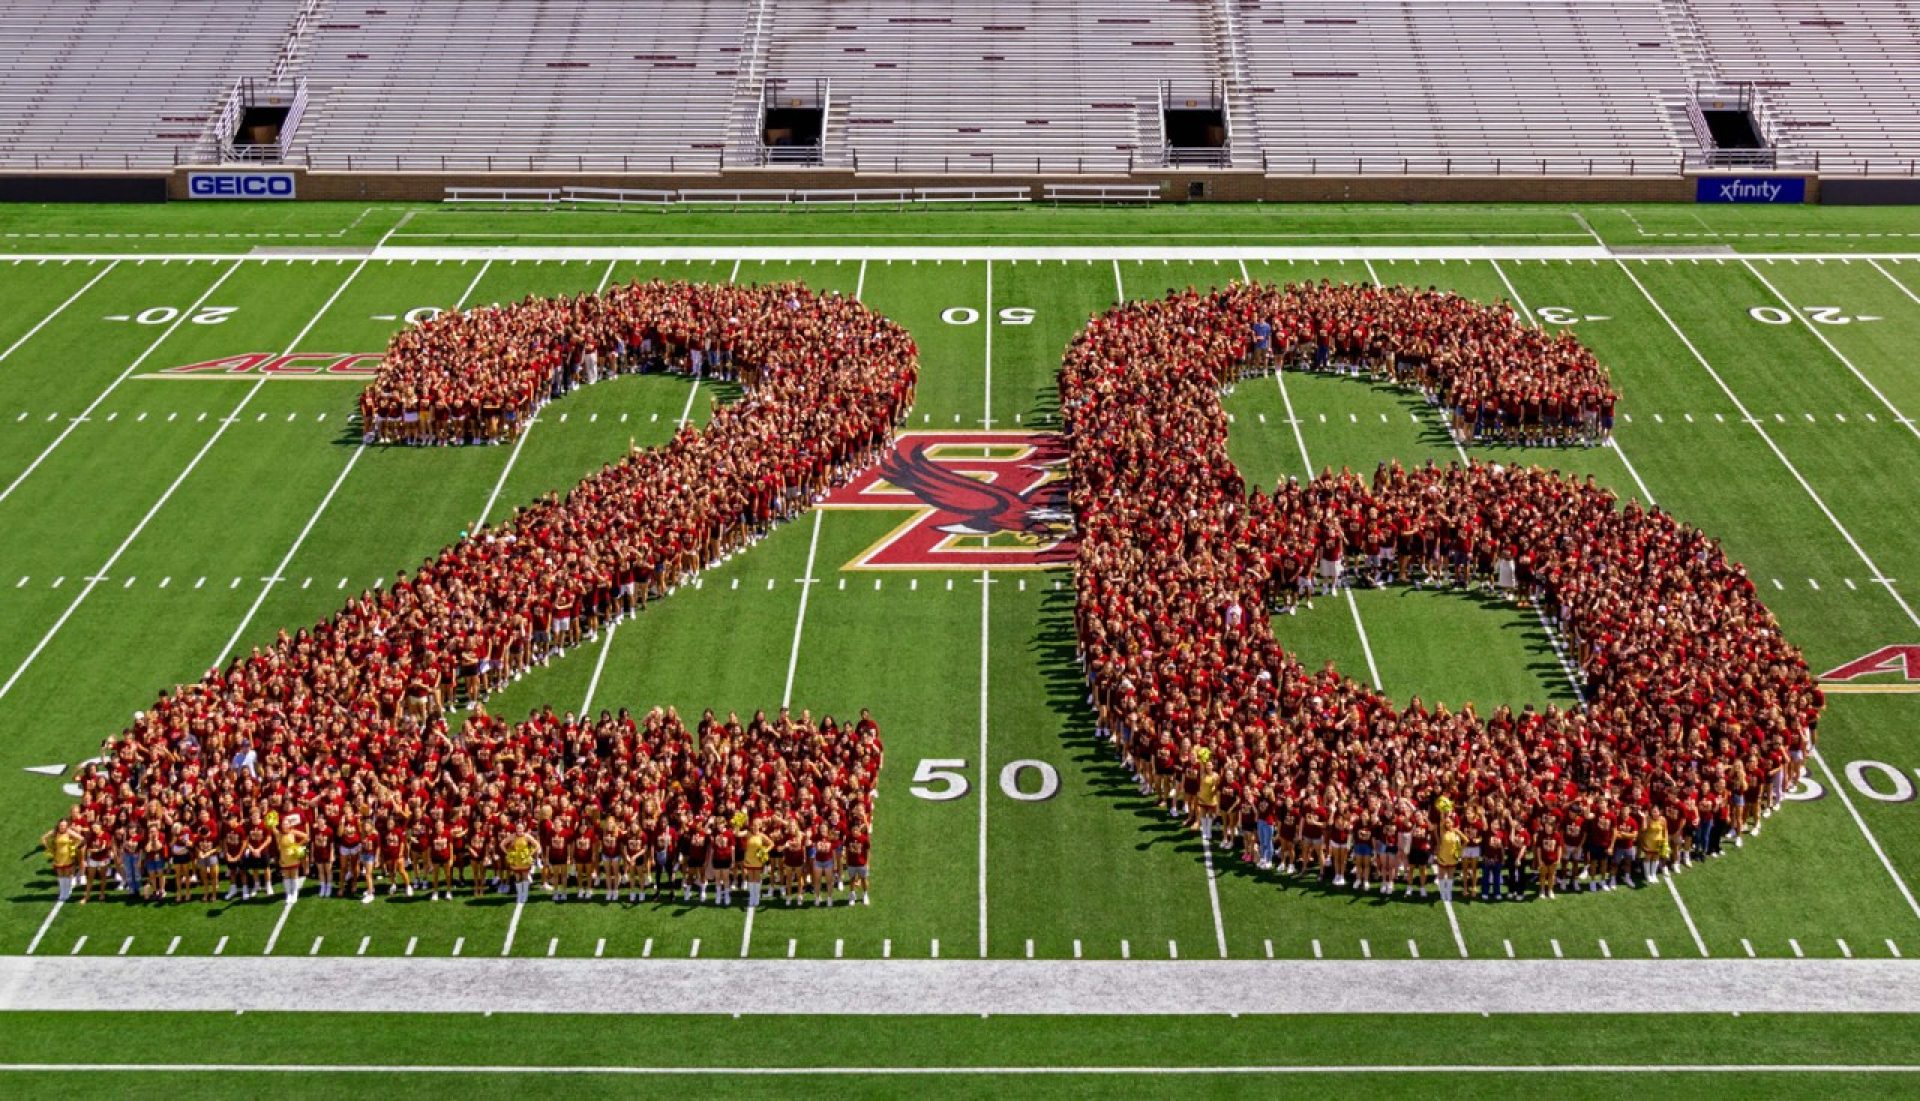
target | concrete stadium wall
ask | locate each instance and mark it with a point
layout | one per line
(1219, 186)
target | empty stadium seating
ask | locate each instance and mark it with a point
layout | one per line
(1839, 79)
(1331, 87)
(570, 84)
(973, 86)
(124, 83)
(1464, 86)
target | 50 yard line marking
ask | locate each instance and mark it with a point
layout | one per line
(986, 588)
(1879, 578)
(115, 384)
(986, 412)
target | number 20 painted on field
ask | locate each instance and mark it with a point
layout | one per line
(949, 774)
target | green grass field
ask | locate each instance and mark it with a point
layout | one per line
(151, 526)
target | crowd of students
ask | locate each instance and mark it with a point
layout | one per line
(1696, 713)
(328, 754)
(1499, 382)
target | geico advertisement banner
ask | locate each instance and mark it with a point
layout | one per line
(240, 185)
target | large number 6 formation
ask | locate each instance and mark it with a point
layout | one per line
(1693, 701)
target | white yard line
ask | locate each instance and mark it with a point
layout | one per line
(877, 987)
(686, 411)
(41, 934)
(1904, 289)
(471, 287)
(115, 384)
(1213, 896)
(100, 574)
(1898, 416)
(1366, 646)
(1612, 442)
(1120, 289)
(353, 460)
(860, 284)
(500, 483)
(986, 588)
(599, 666)
(58, 310)
(280, 570)
(513, 928)
(604, 276)
(807, 582)
(1873, 570)
(279, 923)
(1236, 1070)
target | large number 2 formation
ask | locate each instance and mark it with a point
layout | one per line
(1691, 697)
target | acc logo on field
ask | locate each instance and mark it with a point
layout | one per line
(1887, 661)
(240, 185)
(323, 365)
(981, 500)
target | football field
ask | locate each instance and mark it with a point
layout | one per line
(182, 476)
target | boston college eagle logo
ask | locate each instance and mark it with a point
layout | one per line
(980, 500)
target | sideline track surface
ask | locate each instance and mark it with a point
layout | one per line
(1052, 987)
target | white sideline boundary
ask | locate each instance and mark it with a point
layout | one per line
(528, 984)
(1050, 1071)
(934, 253)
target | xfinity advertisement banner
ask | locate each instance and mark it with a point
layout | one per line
(1751, 189)
(240, 185)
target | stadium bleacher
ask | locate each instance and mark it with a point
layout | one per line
(1322, 87)
(485, 84)
(1839, 77)
(973, 86)
(125, 83)
(1464, 86)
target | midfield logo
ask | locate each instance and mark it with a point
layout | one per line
(980, 500)
(1887, 661)
(300, 365)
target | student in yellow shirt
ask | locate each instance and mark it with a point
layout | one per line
(1653, 846)
(756, 850)
(63, 843)
(1206, 799)
(1446, 855)
(519, 849)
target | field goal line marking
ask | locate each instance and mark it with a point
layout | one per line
(1048, 1070)
(1858, 550)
